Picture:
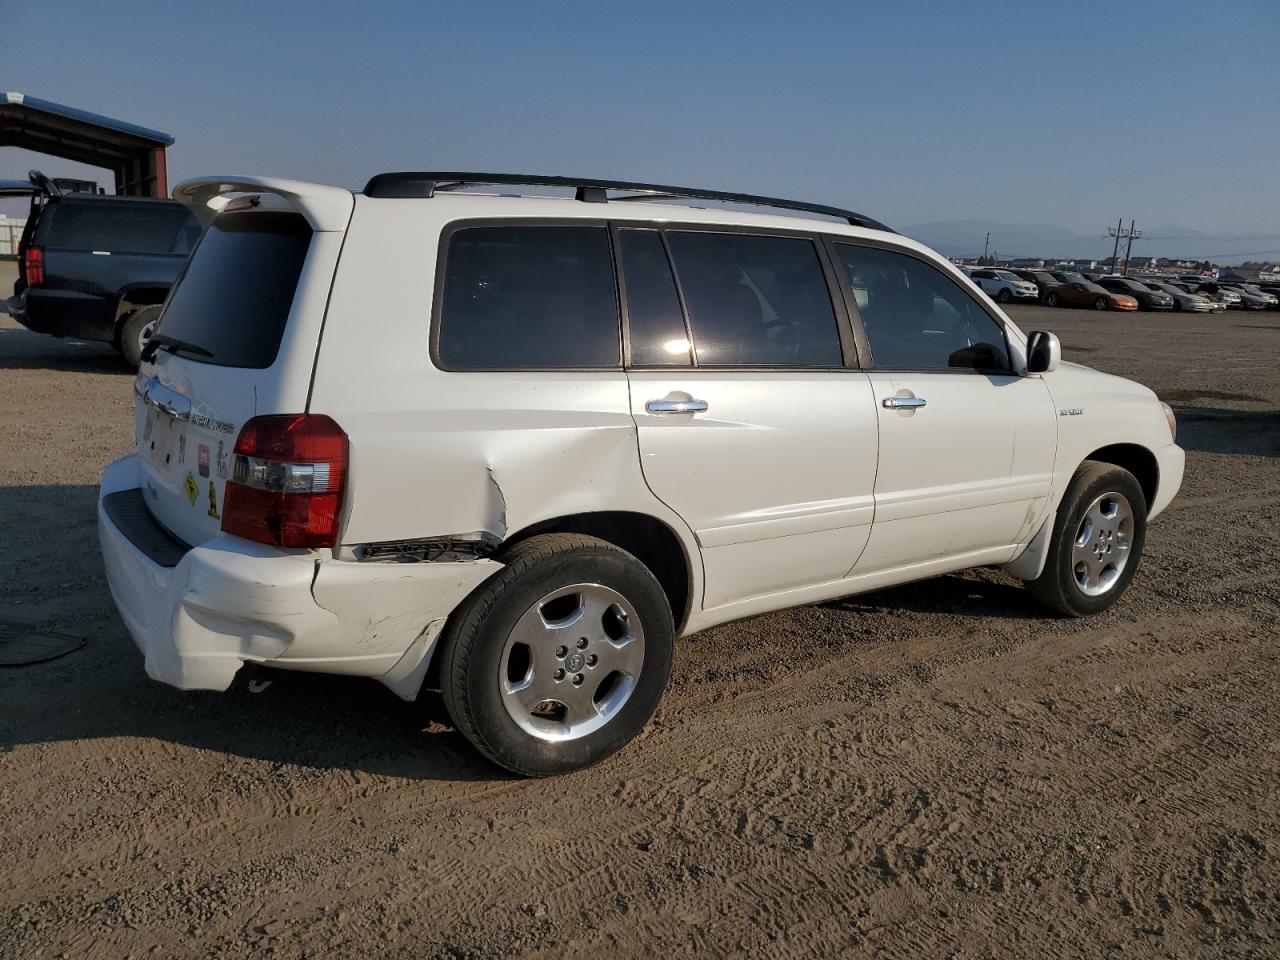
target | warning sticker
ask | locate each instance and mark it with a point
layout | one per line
(192, 490)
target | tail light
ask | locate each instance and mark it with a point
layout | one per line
(33, 266)
(287, 481)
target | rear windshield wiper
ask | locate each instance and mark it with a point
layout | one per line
(160, 341)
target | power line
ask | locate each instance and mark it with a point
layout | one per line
(1128, 236)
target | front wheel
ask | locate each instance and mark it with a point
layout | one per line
(560, 658)
(1098, 536)
(1051, 299)
(1004, 296)
(1101, 303)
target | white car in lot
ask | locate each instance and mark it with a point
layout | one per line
(1004, 286)
(512, 447)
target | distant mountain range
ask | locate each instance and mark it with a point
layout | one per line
(964, 238)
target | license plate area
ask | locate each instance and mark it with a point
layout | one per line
(162, 434)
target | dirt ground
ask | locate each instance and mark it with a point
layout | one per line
(932, 771)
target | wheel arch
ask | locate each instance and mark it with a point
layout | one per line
(650, 540)
(1138, 460)
(134, 297)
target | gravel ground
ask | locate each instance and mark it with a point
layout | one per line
(934, 770)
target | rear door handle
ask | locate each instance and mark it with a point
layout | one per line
(676, 406)
(901, 403)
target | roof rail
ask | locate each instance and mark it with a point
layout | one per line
(426, 183)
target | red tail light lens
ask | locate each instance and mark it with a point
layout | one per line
(287, 481)
(33, 265)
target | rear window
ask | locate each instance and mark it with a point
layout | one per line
(151, 228)
(234, 297)
(529, 297)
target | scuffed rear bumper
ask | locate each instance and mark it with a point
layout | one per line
(230, 601)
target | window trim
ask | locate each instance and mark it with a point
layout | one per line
(860, 330)
(437, 294)
(849, 347)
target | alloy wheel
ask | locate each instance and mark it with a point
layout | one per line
(571, 662)
(1101, 548)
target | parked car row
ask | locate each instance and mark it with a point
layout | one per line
(1113, 292)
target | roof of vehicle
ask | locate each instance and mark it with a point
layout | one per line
(426, 184)
(329, 207)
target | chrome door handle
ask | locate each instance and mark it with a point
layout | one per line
(904, 403)
(676, 406)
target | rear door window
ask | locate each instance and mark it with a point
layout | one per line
(146, 228)
(529, 297)
(234, 297)
(755, 300)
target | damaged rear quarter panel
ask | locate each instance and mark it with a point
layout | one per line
(436, 453)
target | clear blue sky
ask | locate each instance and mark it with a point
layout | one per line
(1058, 113)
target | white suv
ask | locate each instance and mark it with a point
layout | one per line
(511, 447)
(1003, 285)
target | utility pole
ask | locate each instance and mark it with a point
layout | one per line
(1128, 236)
(986, 246)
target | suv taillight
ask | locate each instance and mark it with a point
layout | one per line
(33, 266)
(287, 481)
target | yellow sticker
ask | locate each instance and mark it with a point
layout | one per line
(192, 490)
(213, 502)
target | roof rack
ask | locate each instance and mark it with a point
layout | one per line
(426, 183)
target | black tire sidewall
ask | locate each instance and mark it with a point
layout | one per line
(491, 727)
(1091, 483)
(133, 325)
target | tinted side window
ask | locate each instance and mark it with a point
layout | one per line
(655, 320)
(755, 300)
(122, 227)
(519, 297)
(236, 293)
(918, 318)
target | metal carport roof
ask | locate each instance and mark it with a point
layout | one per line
(136, 155)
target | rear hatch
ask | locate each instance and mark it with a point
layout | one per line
(238, 338)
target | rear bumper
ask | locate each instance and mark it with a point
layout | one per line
(229, 602)
(64, 313)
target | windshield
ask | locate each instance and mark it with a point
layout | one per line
(1005, 275)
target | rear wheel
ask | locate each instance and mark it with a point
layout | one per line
(1004, 296)
(1101, 303)
(1098, 536)
(560, 658)
(135, 332)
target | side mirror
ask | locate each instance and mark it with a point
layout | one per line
(1044, 352)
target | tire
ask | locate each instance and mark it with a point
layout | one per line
(135, 330)
(489, 684)
(1051, 299)
(1113, 545)
(1102, 303)
(1004, 296)
(1177, 307)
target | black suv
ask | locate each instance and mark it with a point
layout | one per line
(98, 267)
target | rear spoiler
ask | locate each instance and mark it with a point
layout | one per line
(326, 208)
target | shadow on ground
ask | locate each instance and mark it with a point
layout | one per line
(24, 350)
(957, 594)
(1254, 433)
(51, 576)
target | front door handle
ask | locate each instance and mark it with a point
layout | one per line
(903, 403)
(676, 406)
